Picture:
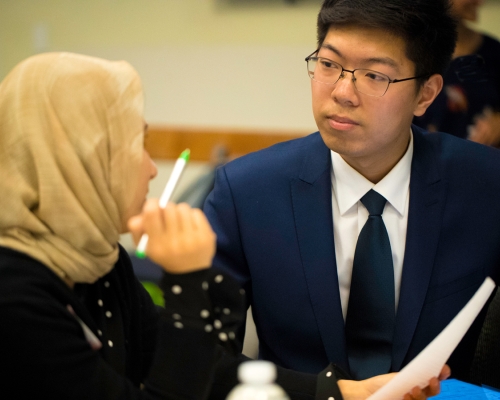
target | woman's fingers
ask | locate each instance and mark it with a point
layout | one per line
(172, 224)
(199, 222)
(134, 225)
(153, 220)
(180, 237)
(185, 217)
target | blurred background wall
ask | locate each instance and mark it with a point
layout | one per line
(209, 63)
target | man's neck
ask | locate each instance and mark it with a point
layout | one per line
(376, 169)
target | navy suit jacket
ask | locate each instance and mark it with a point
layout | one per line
(272, 213)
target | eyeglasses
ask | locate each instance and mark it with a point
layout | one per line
(366, 81)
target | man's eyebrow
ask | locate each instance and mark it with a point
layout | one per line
(383, 60)
(372, 60)
(331, 48)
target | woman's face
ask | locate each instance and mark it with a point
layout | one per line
(148, 171)
(466, 9)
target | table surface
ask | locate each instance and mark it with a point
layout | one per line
(454, 389)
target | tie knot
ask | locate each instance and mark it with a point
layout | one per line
(374, 202)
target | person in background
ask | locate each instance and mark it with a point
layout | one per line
(469, 105)
(75, 322)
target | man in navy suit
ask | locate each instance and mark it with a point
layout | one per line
(288, 217)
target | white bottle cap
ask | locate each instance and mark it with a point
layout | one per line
(257, 372)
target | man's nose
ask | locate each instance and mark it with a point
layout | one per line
(344, 89)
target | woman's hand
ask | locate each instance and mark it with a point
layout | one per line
(360, 390)
(181, 239)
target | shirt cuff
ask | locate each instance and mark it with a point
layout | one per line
(326, 384)
(205, 300)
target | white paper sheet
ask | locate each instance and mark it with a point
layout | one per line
(430, 360)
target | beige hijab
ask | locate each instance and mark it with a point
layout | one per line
(71, 143)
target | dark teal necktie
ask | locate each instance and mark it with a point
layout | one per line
(371, 311)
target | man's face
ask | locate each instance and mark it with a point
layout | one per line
(370, 133)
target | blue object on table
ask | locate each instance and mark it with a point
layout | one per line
(455, 389)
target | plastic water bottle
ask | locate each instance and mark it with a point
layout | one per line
(257, 382)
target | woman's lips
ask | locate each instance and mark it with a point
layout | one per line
(341, 123)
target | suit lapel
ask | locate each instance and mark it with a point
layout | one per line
(312, 207)
(427, 198)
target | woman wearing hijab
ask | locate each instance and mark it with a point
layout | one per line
(74, 321)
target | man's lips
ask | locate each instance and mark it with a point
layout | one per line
(341, 123)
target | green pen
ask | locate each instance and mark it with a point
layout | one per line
(165, 196)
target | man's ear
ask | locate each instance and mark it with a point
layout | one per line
(428, 92)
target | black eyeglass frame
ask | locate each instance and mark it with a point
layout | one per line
(310, 57)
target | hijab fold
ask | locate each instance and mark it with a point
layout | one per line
(71, 144)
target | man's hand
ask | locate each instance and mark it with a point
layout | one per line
(181, 239)
(360, 390)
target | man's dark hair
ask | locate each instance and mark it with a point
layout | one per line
(426, 26)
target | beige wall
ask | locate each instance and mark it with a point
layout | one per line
(489, 18)
(203, 63)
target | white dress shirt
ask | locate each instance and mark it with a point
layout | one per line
(350, 215)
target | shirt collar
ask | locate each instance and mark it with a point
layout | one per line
(350, 186)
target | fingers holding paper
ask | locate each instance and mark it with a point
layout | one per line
(181, 239)
(361, 390)
(433, 389)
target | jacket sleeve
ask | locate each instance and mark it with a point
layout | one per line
(230, 258)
